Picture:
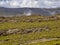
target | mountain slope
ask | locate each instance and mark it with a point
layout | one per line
(41, 11)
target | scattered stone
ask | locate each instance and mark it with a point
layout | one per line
(57, 44)
(23, 31)
(3, 32)
(28, 30)
(7, 40)
(29, 20)
(39, 20)
(12, 31)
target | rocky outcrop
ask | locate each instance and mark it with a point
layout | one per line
(30, 18)
(23, 31)
(7, 32)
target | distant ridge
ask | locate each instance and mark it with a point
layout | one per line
(41, 11)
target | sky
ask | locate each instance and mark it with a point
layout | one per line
(30, 3)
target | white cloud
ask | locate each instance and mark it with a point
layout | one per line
(27, 3)
(48, 2)
(1, 3)
(14, 3)
(30, 3)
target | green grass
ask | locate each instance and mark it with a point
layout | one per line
(53, 42)
(23, 25)
(16, 39)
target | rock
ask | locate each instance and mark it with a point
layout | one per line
(12, 31)
(2, 17)
(41, 29)
(6, 39)
(57, 44)
(0, 20)
(46, 28)
(23, 31)
(3, 32)
(28, 30)
(30, 20)
(12, 21)
(46, 19)
(38, 20)
(37, 30)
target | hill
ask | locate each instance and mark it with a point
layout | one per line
(18, 11)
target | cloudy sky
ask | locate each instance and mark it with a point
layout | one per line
(30, 3)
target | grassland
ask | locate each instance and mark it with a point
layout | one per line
(30, 22)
